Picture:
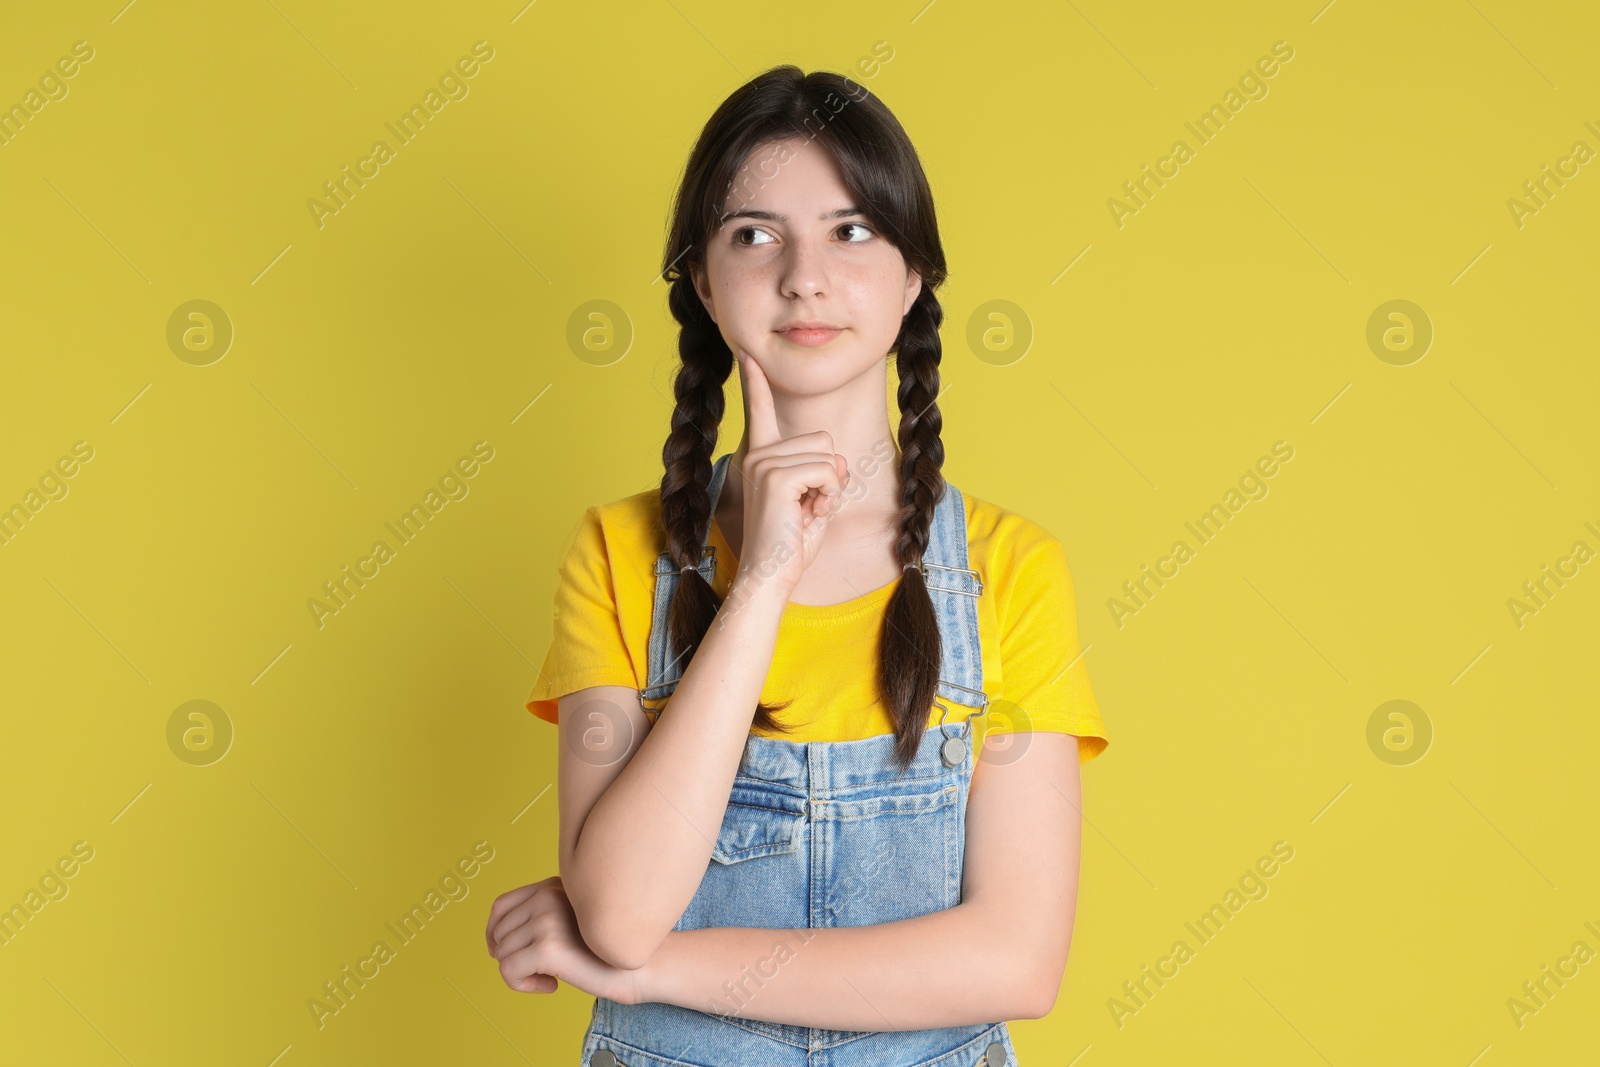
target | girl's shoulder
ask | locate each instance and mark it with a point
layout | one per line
(995, 532)
(627, 527)
(635, 516)
(621, 537)
(1017, 558)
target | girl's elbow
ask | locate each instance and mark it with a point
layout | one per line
(1039, 999)
(627, 952)
(613, 935)
(1041, 985)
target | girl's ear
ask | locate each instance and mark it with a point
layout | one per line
(697, 275)
(913, 290)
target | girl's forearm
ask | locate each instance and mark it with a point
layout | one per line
(955, 967)
(644, 847)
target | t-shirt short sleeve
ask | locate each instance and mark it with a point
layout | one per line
(1045, 677)
(586, 642)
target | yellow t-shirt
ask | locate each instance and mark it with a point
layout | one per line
(825, 658)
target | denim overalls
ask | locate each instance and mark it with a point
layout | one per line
(824, 834)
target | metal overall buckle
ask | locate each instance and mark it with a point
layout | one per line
(953, 749)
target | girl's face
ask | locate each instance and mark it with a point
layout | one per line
(794, 247)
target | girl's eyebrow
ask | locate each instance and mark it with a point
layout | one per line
(773, 216)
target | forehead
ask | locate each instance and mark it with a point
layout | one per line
(795, 180)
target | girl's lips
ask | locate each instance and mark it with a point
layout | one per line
(809, 338)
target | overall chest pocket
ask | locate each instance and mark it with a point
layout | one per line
(891, 854)
(750, 831)
(757, 873)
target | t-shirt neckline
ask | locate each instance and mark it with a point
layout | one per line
(868, 601)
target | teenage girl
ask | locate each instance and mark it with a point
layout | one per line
(783, 867)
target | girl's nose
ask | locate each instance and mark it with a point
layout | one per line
(804, 270)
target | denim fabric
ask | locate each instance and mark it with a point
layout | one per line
(824, 834)
(665, 669)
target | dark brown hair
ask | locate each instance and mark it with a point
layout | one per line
(881, 169)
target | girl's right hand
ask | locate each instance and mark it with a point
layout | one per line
(793, 487)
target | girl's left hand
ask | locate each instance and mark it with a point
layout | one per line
(534, 934)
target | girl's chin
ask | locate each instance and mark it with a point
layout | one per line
(808, 373)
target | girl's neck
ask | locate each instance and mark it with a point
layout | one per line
(874, 462)
(856, 416)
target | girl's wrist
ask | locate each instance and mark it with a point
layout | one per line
(760, 590)
(647, 985)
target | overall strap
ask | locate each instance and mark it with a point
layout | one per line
(953, 587)
(665, 663)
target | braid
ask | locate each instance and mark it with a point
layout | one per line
(686, 456)
(909, 650)
(705, 366)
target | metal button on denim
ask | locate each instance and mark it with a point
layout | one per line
(604, 1058)
(995, 1055)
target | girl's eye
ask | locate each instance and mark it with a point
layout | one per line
(759, 236)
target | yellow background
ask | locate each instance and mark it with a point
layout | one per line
(432, 312)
